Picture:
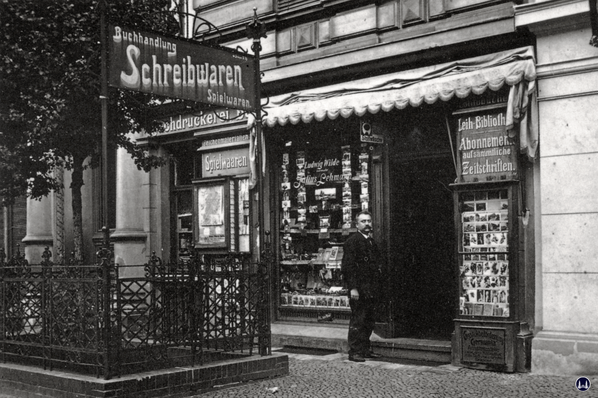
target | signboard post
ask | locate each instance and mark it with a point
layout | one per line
(255, 31)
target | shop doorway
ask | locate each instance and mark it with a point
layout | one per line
(421, 245)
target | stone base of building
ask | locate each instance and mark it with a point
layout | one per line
(565, 353)
(177, 382)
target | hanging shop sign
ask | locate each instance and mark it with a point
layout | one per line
(488, 99)
(210, 144)
(150, 63)
(367, 134)
(226, 162)
(485, 151)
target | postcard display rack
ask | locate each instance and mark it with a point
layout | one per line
(320, 194)
(484, 254)
(489, 329)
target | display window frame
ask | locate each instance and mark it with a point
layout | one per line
(215, 197)
(226, 191)
(304, 218)
(487, 266)
(182, 167)
(241, 209)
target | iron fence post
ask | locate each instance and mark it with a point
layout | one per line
(46, 297)
(265, 267)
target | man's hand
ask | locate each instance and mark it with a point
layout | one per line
(354, 294)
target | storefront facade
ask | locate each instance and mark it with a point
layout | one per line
(465, 128)
(442, 163)
(206, 184)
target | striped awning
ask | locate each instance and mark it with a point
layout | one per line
(515, 68)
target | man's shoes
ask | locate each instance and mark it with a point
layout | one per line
(372, 355)
(356, 358)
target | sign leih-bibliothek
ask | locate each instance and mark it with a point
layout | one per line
(485, 150)
(151, 63)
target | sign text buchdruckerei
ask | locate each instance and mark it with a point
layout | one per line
(150, 63)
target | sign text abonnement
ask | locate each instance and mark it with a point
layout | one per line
(150, 63)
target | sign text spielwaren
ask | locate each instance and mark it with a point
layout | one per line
(147, 62)
(226, 162)
(485, 150)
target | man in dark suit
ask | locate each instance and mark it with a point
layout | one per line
(361, 271)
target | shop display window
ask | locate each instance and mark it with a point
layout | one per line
(484, 253)
(208, 214)
(321, 190)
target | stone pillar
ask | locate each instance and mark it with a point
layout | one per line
(40, 222)
(566, 340)
(158, 214)
(130, 237)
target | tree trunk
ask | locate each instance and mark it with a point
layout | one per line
(76, 184)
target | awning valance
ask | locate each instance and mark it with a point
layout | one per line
(516, 68)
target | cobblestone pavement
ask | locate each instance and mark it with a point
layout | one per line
(334, 376)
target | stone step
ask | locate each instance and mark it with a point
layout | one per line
(334, 337)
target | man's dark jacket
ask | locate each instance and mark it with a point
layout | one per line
(361, 266)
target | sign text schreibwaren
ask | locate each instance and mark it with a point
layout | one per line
(150, 63)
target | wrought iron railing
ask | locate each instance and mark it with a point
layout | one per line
(108, 320)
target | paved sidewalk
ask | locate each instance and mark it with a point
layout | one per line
(335, 376)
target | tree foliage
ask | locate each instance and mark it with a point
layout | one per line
(50, 108)
(50, 83)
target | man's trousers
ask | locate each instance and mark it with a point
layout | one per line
(361, 325)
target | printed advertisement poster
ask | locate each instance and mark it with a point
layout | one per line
(210, 216)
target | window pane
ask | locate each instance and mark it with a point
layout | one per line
(184, 219)
(243, 214)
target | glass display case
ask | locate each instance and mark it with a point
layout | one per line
(221, 208)
(484, 252)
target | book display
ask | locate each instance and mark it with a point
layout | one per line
(321, 191)
(484, 258)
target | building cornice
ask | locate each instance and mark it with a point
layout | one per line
(389, 50)
(552, 14)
